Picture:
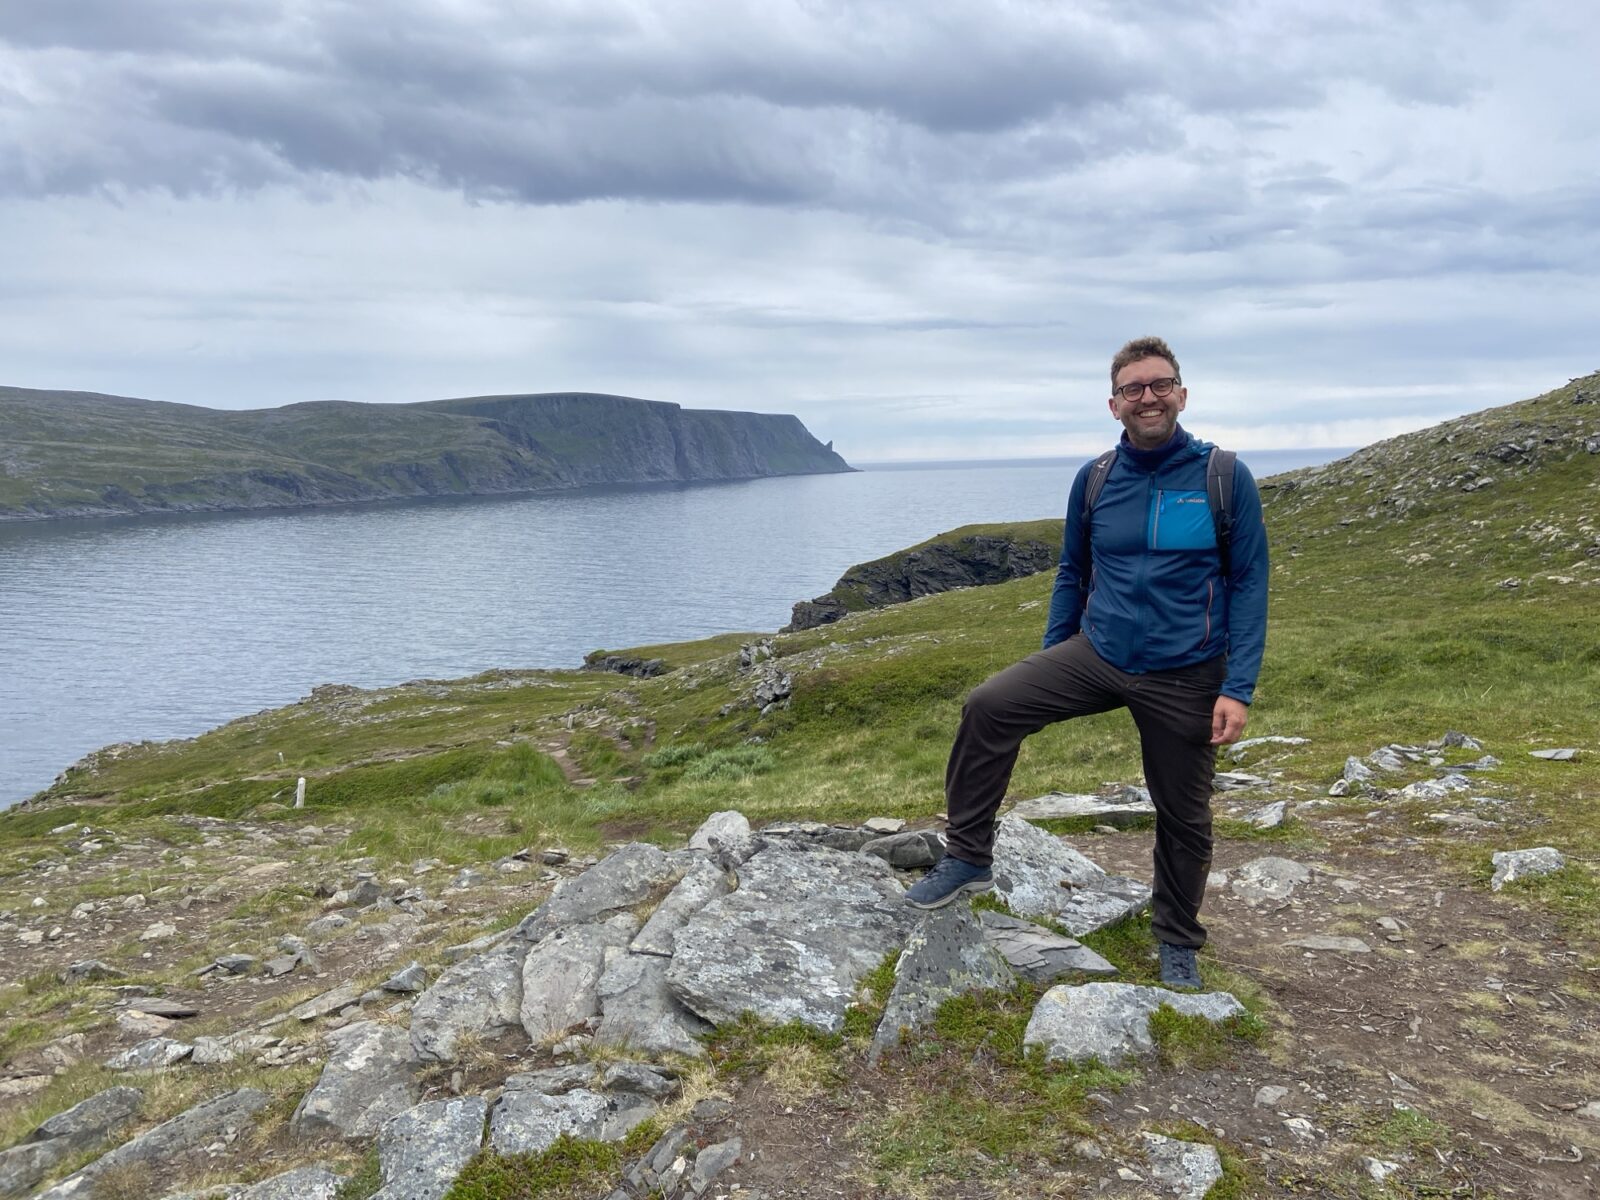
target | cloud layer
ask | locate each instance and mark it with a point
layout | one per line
(914, 225)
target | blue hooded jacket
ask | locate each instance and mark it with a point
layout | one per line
(1155, 597)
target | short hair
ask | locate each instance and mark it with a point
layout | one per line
(1140, 349)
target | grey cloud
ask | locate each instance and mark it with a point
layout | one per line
(862, 107)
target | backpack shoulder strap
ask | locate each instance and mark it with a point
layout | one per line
(1219, 491)
(1093, 486)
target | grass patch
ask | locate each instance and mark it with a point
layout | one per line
(1185, 1041)
(570, 1166)
(364, 1180)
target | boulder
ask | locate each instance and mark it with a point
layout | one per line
(793, 941)
(919, 848)
(1039, 875)
(640, 1079)
(88, 970)
(1511, 865)
(561, 975)
(946, 956)
(481, 995)
(1111, 1021)
(1268, 816)
(720, 830)
(409, 980)
(552, 1081)
(629, 876)
(422, 1150)
(369, 1077)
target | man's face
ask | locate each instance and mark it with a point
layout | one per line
(1150, 419)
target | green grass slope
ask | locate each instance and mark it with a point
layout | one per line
(1409, 595)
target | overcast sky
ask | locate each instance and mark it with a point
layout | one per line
(923, 227)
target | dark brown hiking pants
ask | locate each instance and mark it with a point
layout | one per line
(1173, 712)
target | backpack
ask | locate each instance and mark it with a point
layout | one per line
(1219, 491)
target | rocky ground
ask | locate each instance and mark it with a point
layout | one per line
(1415, 1034)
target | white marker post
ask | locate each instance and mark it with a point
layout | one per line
(300, 792)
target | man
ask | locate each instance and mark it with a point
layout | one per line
(1146, 621)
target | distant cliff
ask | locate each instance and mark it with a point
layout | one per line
(81, 454)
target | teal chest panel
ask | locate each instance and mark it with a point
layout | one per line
(1180, 520)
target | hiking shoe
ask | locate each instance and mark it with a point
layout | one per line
(950, 877)
(1179, 969)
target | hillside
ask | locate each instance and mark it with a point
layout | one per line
(1408, 1029)
(76, 454)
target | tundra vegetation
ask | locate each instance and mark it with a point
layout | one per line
(1444, 580)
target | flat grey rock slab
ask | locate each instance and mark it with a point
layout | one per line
(220, 1119)
(1237, 781)
(703, 884)
(67, 1133)
(1039, 875)
(1565, 754)
(712, 1161)
(369, 1077)
(160, 1006)
(1330, 942)
(1269, 880)
(1238, 750)
(561, 975)
(314, 1182)
(421, 1151)
(945, 956)
(90, 1120)
(639, 1011)
(1038, 955)
(1111, 1021)
(794, 940)
(477, 996)
(528, 1122)
(216, 1051)
(152, 1054)
(1388, 758)
(552, 1081)
(626, 877)
(1186, 1169)
(918, 848)
(80, 1127)
(1510, 865)
(883, 826)
(330, 1002)
(1057, 806)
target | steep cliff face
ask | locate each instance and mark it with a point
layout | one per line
(965, 557)
(82, 454)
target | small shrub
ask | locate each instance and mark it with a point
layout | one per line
(673, 756)
(736, 762)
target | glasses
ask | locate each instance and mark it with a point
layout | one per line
(1162, 388)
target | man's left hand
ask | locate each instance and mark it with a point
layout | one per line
(1228, 718)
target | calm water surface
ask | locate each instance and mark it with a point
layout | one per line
(161, 627)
